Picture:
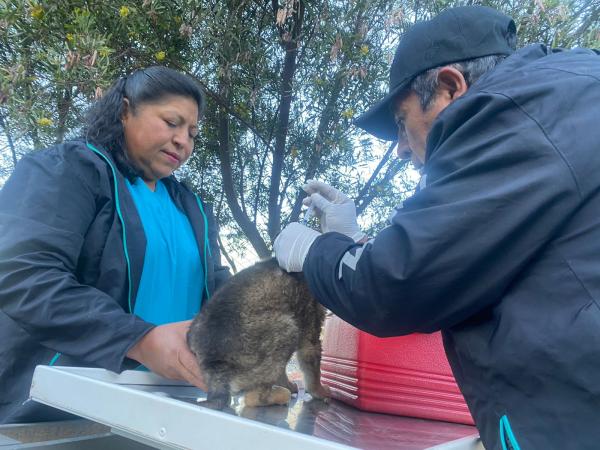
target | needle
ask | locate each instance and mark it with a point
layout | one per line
(308, 214)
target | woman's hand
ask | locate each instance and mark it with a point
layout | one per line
(164, 351)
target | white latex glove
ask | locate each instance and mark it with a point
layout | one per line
(292, 245)
(334, 209)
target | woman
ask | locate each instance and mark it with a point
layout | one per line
(104, 255)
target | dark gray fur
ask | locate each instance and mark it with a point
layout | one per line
(244, 337)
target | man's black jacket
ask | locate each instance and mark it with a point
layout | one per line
(500, 249)
(66, 282)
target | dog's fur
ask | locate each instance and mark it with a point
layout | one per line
(246, 334)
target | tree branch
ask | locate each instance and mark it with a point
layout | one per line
(225, 105)
(64, 105)
(226, 254)
(373, 176)
(395, 167)
(324, 123)
(315, 158)
(241, 189)
(248, 228)
(258, 189)
(9, 139)
(290, 44)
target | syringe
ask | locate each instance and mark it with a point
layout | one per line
(308, 214)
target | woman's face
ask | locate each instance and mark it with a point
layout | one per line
(159, 136)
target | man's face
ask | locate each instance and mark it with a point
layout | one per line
(414, 124)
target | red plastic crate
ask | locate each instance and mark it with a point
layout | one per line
(406, 376)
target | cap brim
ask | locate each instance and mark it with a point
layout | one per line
(379, 119)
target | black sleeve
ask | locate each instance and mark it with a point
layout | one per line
(46, 208)
(497, 190)
(222, 273)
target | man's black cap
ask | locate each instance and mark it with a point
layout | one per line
(454, 35)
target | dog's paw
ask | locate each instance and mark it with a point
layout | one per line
(277, 395)
(321, 392)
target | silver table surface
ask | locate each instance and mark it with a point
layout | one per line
(164, 414)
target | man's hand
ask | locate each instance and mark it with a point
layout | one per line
(292, 245)
(335, 211)
(164, 351)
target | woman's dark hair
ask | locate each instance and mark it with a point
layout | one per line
(103, 120)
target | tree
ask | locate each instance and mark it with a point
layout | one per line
(284, 79)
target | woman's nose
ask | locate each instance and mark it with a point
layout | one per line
(180, 138)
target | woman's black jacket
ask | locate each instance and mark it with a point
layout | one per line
(71, 256)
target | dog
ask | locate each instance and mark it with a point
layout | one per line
(245, 335)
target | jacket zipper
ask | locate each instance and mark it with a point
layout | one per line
(507, 438)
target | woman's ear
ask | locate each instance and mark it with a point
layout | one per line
(126, 110)
(451, 83)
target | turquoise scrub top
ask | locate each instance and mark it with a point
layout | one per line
(172, 277)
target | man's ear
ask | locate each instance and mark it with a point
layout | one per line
(451, 83)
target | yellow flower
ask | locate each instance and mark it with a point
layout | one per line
(348, 113)
(37, 12)
(364, 50)
(44, 122)
(160, 55)
(104, 52)
(70, 37)
(124, 11)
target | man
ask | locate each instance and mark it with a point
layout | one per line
(500, 246)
